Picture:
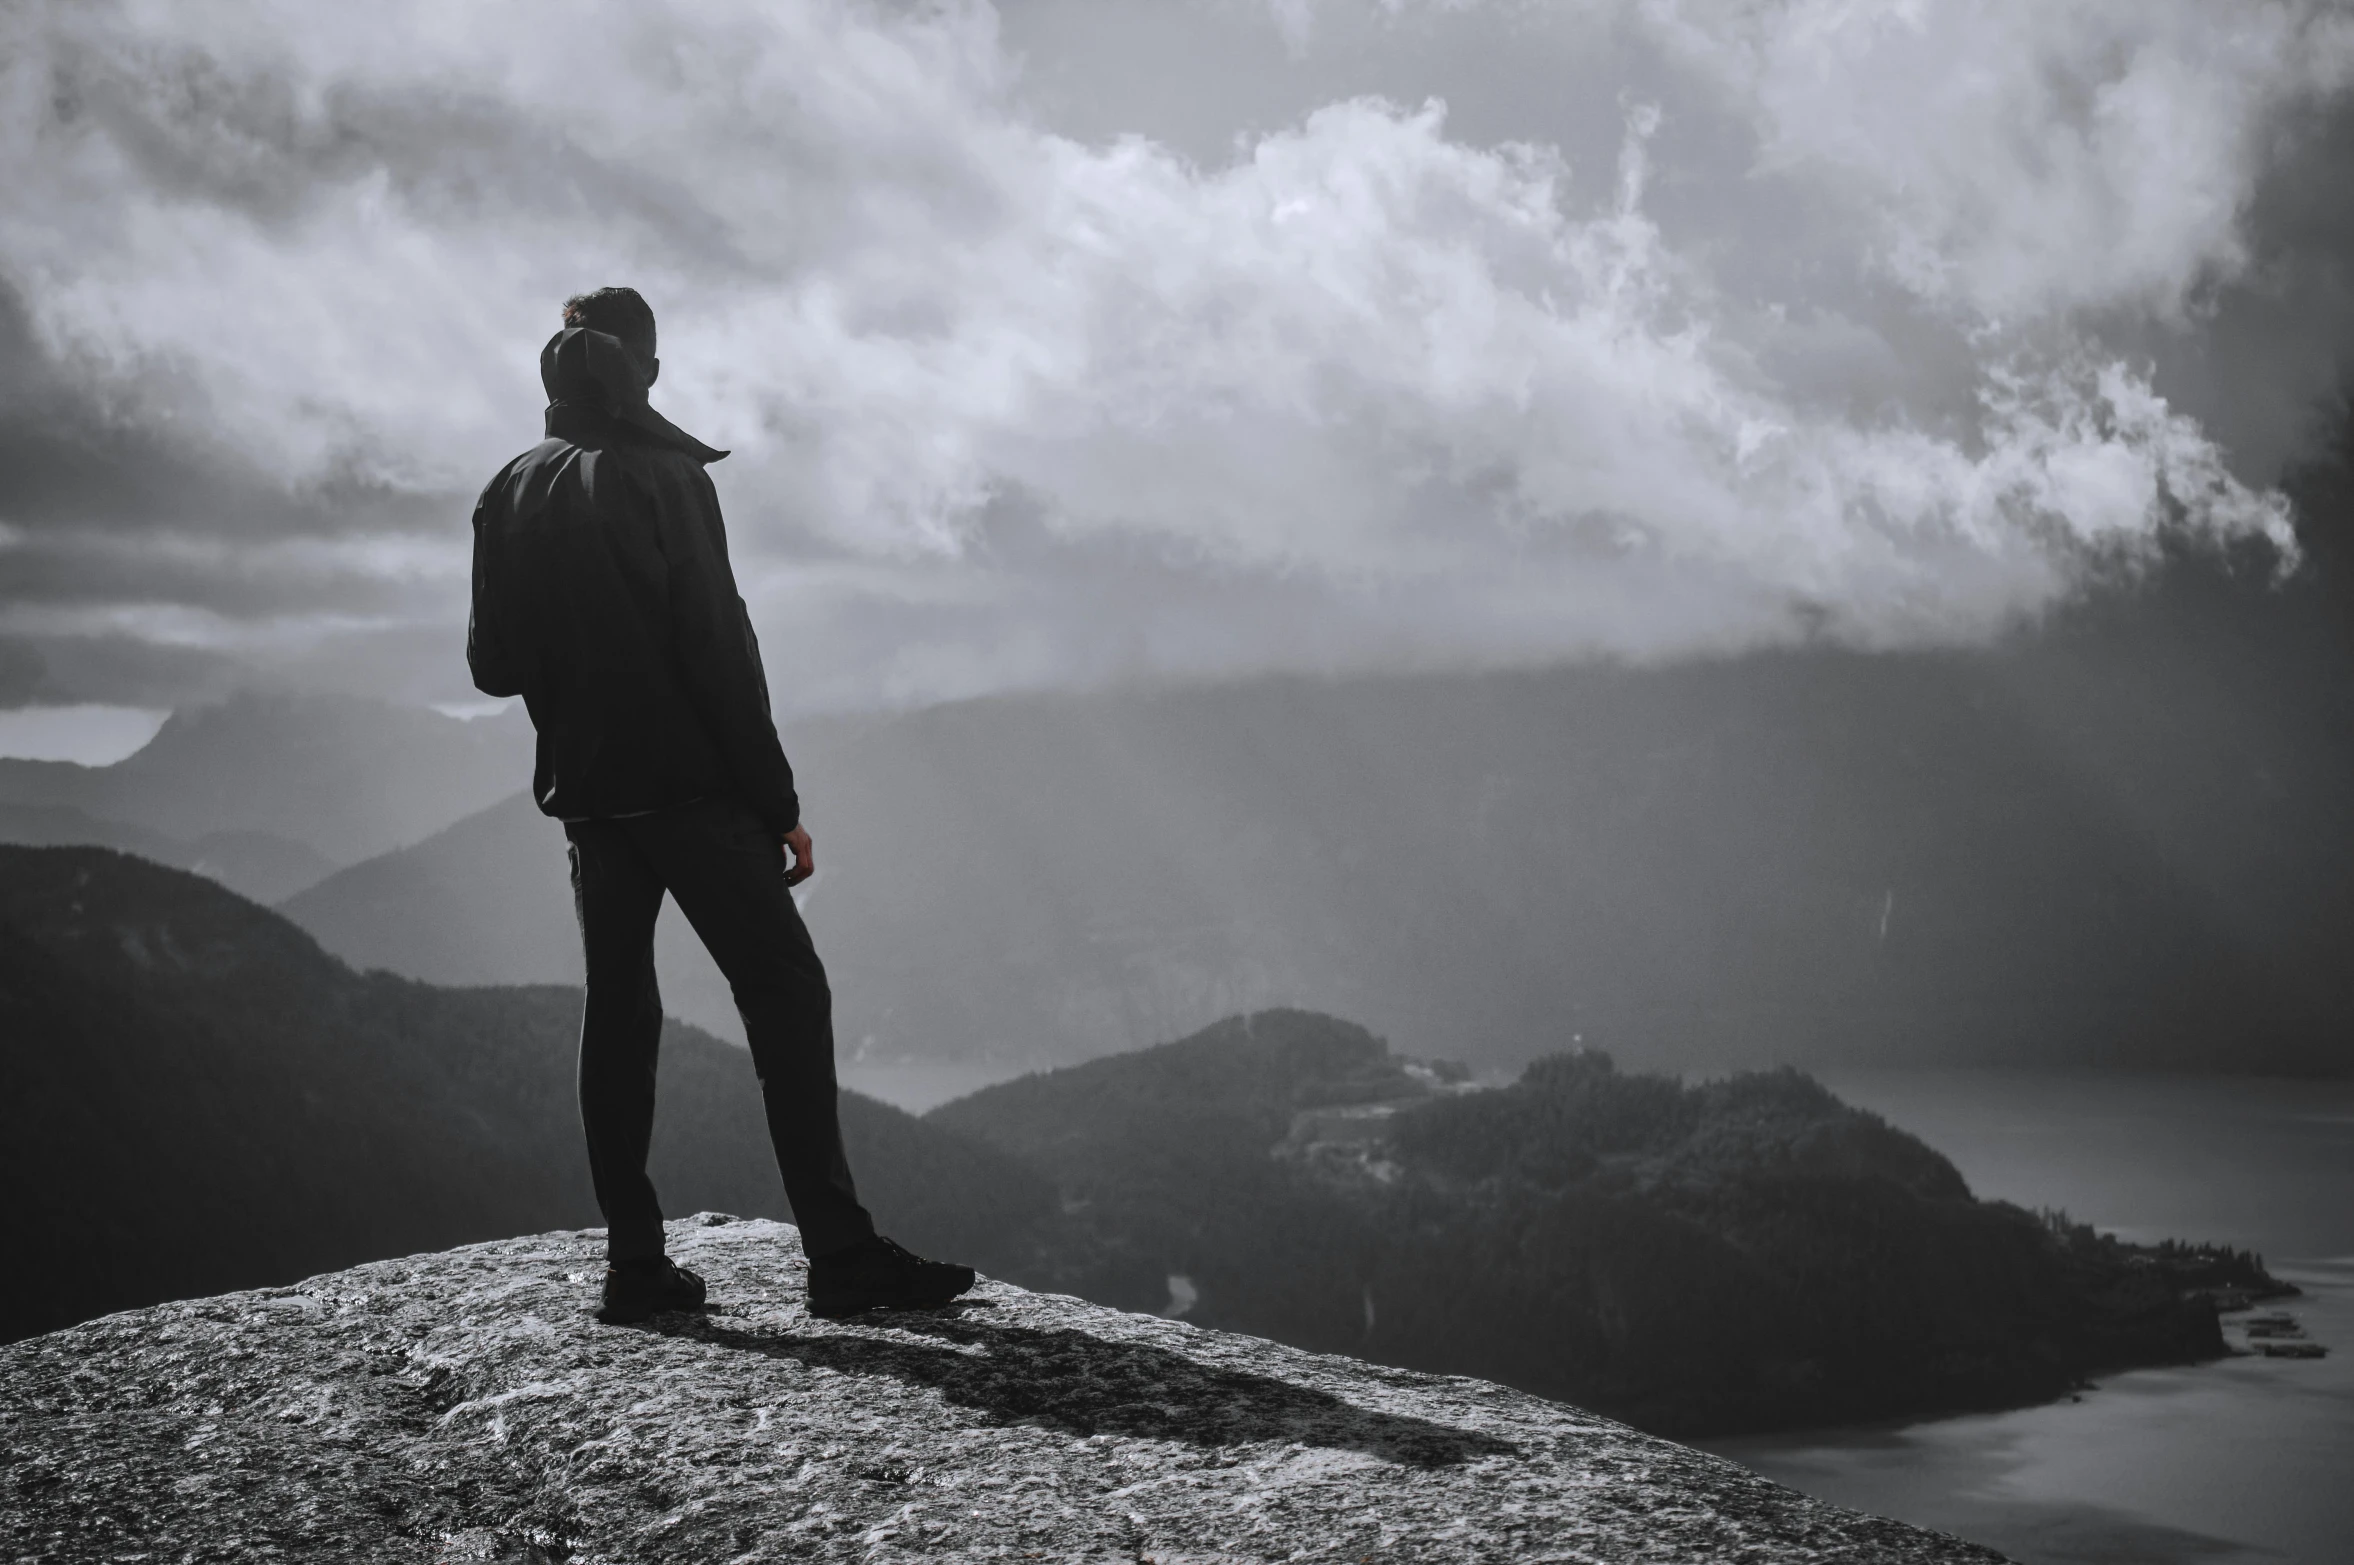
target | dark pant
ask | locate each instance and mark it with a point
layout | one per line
(727, 873)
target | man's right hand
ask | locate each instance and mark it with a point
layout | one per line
(804, 863)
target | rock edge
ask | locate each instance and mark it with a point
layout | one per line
(464, 1406)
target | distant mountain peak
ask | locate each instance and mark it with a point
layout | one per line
(344, 777)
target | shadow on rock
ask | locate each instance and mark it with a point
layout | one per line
(1066, 1379)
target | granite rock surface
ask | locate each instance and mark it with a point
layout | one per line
(464, 1406)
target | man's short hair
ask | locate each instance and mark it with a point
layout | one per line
(618, 312)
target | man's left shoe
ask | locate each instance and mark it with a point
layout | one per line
(635, 1290)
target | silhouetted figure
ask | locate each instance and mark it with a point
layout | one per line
(603, 597)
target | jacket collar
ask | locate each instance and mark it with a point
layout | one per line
(592, 385)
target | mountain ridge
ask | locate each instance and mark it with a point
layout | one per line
(1696, 1258)
(196, 1096)
(344, 777)
(1813, 858)
(260, 865)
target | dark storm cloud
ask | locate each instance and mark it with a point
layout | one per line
(244, 137)
(22, 672)
(71, 464)
(2266, 366)
(147, 563)
(1154, 337)
(119, 670)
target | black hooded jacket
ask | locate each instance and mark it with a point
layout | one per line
(603, 597)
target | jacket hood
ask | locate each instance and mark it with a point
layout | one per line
(591, 369)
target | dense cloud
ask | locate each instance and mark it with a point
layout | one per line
(1677, 327)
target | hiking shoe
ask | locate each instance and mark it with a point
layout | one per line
(879, 1275)
(637, 1289)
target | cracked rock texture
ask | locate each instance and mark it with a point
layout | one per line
(464, 1406)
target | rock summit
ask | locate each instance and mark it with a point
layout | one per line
(464, 1406)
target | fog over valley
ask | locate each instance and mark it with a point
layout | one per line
(1824, 857)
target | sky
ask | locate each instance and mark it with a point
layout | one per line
(1074, 341)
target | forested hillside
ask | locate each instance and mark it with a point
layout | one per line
(2106, 848)
(194, 1097)
(1740, 1253)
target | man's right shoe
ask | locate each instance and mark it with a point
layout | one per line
(879, 1275)
(635, 1290)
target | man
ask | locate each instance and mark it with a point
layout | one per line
(603, 597)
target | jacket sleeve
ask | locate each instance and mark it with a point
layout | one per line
(489, 655)
(718, 656)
